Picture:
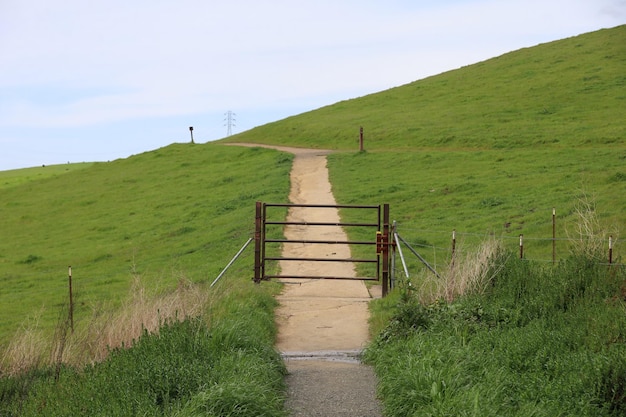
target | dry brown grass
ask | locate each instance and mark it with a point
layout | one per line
(141, 313)
(465, 274)
(25, 351)
(588, 235)
(106, 330)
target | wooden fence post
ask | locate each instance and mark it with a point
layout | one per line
(453, 256)
(71, 312)
(553, 235)
(361, 139)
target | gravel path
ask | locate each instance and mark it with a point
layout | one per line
(322, 324)
(331, 388)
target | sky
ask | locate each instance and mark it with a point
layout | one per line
(84, 81)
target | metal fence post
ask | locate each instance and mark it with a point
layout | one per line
(385, 249)
(257, 242)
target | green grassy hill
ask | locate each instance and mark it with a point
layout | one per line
(20, 176)
(491, 147)
(486, 149)
(176, 213)
(568, 93)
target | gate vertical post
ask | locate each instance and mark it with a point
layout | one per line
(257, 242)
(392, 275)
(385, 249)
(263, 237)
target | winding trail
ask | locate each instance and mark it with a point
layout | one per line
(322, 324)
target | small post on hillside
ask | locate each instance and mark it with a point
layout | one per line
(610, 249)
(453, 253)
(191, 131)
(361, 139)
(453, 245)
(553, 235)
(521, 246)
(71, 312)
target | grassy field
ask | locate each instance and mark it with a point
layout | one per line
(487, 192)
(176, 213)
(487, 150)
(145, 237)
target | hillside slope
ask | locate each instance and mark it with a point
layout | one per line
(570, 92)
(174, 214)
(488, 148)
(444, 142)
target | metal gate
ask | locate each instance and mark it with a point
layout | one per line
(380, 242)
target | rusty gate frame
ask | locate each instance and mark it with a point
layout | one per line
(383, 242)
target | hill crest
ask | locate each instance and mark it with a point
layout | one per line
(568, 92)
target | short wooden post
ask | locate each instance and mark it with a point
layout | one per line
(521, 246)
(453, 242)
(610, 250)
(453, 248)
(71, 312)
(361, 139)
(553, 235)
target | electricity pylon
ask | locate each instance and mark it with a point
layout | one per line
(230, 122)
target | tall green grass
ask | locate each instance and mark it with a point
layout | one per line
(221, 365)
(539, 341)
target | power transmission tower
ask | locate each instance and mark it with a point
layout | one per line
(230, 122)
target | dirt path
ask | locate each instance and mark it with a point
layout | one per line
(322, 324)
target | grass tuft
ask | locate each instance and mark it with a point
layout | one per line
(468, 274)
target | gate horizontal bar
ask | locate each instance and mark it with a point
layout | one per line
(330, 242)
(320, 206)
(322, 259)
(324, 224)
(321, 277)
